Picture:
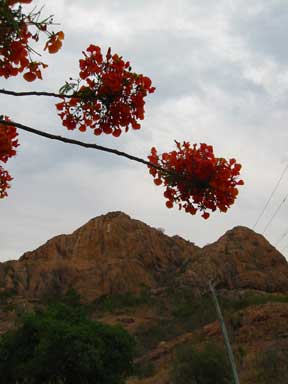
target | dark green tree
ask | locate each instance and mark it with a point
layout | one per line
(61, 345)
(272, 364)
(206, 366)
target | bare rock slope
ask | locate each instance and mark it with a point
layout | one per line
(113, 253)
(110, 254)
(240, 259)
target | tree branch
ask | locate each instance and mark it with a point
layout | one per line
(35, 93)
(82, 144)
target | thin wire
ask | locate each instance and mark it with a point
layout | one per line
(270, 197)
(281, 238)
(283, 249)
(225, 335)
(275, 213)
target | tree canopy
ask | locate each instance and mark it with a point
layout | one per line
(61, 345)
(207, 366)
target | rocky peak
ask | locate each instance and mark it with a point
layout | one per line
(241, 258)
(111, 253)
(114, 253)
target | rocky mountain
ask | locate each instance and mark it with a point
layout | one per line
(114, 253)
(156, 286)
(111, 253)
(240, 259)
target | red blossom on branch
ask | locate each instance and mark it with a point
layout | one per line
(109, 97)
(13, 2)
(55, 42)
(8, 141)
(8, 144)
(5, 178)
(196, 180)
(16, 33)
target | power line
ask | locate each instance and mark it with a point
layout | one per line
(281, 238)
(283, 249)
(275, 213)
(225, 335)
(270, 197)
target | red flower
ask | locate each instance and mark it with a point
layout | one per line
(195, 179)
(16, 32)
(8, 143)
(13, 2)
(5, 178)
(54, 42)
(29, 76)
(34, 71)
(108, 96)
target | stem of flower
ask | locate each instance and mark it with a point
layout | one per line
(81, 144)
(34, 93)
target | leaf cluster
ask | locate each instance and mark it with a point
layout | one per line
(61, 345)
(207, 366)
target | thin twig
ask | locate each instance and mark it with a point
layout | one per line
(82, 144)
(35, 93)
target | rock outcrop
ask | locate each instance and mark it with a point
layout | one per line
(110, 254)
(240, 259)
(113, 253)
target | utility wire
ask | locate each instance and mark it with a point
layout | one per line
(281, 238)
(270, 197)
(275, 213)
(225, 335)
(283, 249)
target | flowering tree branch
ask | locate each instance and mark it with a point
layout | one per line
(81, 143)
(49, 94)
(107, 98)
(35, 93)
(194, 178)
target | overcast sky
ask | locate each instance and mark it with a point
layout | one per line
(221, 77)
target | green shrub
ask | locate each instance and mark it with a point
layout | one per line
(116, 302)
(207, 366)
(251, 299)
(149, 336)
(196, 312)
(61, 345)
(6, 295)
(144, 369)
(272, 365)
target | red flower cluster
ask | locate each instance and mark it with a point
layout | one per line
(55, 42)
(8, 143)
(5, 178)
(195, 179)
(15, 34)
(108, 96)
(13, 2)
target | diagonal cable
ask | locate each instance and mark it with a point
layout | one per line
(270, 197)
(286, 246)
(281, 238)
(275, 213)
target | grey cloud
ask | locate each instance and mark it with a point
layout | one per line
(205, 59)
(265, 30)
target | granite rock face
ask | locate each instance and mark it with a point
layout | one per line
(113, 253)
(240, 259)
(110, 254)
